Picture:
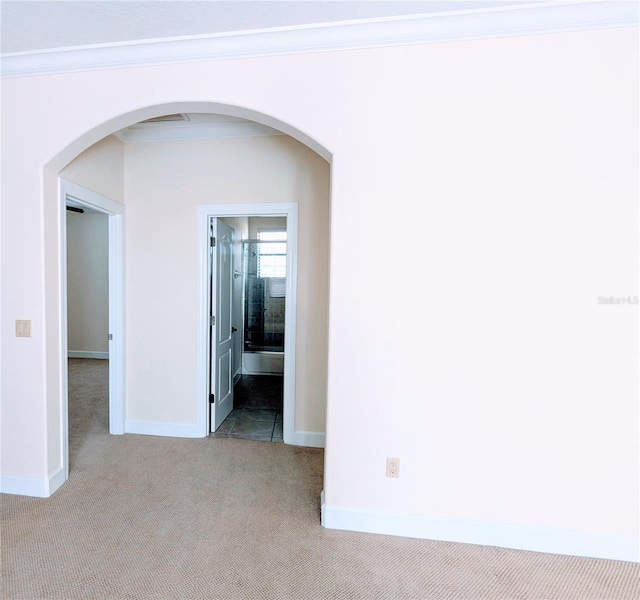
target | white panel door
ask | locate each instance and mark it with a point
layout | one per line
(221, 380)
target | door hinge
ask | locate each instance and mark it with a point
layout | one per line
(110, 336)
(212, 320)
(212, 242)
(211, 398)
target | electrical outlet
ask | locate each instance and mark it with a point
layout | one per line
(393, 467)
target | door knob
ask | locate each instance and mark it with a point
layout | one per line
(234, 329)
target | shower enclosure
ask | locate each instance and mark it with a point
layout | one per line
(264, 293)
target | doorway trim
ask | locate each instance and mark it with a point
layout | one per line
(116, 215)
(290, 211)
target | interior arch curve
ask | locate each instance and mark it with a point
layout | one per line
(65, 156)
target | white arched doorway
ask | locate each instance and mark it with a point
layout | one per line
(59, 358)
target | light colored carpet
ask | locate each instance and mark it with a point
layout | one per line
(145, 517)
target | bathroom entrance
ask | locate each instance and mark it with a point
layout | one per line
(265, 270)
(251, 323)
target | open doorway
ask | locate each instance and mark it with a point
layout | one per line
(258, 299)
(92, 313)
(250, 300)
(87, 324)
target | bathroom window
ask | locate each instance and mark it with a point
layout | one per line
(272, 254)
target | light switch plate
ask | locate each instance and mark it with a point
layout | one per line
(23, 328)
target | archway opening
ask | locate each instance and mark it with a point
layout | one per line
(141, 237)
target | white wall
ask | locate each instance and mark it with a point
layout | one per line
(509, 394)
(164, 184)
(100, 168)
(88, 282)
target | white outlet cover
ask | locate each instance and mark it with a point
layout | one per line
(393, 466)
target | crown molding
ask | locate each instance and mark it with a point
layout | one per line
(524, 19)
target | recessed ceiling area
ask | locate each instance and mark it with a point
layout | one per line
(45, 25)
(192, 126)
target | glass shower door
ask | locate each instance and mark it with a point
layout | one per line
(264, 295)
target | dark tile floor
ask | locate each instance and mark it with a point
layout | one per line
(257, 410)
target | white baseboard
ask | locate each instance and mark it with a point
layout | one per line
(56, 480)
(505, 535)
(181, 430)
(312, 439)
(38, 487)
(24, 486)
(87, 354)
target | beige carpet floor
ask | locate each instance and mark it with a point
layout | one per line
(147, 517)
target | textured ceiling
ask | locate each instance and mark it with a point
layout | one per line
(40, 25)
